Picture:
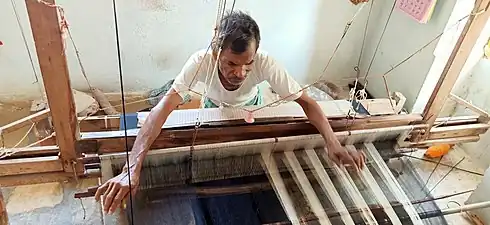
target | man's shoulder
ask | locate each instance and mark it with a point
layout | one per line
(201, 54)
(262, 54)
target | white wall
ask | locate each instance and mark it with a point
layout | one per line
(403, 36)
(444, 49)
(157, 37)
(474, 88)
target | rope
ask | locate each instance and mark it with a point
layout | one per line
(4, 153)
(379, 41)
(14, 8)
(352, 92)
(283, 99)
(347, 27)
(123, 109)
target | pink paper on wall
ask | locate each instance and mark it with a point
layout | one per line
(420, 10)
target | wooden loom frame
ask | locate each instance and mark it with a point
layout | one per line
(65, 161)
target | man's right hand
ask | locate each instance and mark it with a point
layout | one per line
(116, 189)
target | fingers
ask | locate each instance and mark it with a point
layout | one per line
(117, 200)
(109, 196)
(357, 160)
(333, 157)
(363, 156)
(101, 189)
(351, 160)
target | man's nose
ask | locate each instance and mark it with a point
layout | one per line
(240, 71)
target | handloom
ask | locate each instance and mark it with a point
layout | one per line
(292, 172)
(306, 183)
(276, 165)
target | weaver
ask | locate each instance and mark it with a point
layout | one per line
(237, 66)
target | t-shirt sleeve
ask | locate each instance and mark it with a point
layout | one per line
(279, 79)
(188, 76)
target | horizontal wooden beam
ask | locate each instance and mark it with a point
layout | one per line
(114, 141)
(30, 165)
(33, 151)
(99, 123)
(112, 122)
(456, 120)
(428, 143)
(28, 120)
(34, 178)
(458, 131)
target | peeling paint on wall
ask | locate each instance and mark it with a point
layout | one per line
(30, 197)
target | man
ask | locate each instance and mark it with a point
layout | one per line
(241, 66)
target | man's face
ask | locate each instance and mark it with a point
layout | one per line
(234, 67)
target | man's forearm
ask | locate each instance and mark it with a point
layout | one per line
(317, 118)
(150, 130)
(146, 136)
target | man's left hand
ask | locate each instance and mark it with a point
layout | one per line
(341, 155)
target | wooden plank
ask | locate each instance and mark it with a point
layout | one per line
(428, 143)
(468, 105)
(370, 182)
(456, 120)
(99, 123)
(380, 106)
(455, 131)
(114, 141)
(30, 165)
(28, 120)
(37, 178)
(391, 182)
(471, 32)
(327, 185)
(302, 181)
(270, 167)
(4, 219)
(32, 151)
(48, 40)
(458, 131)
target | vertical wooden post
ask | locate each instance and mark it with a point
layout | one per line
(4, 219)
(472, 30)
(47, 34)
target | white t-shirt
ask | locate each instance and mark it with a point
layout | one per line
(264, 68)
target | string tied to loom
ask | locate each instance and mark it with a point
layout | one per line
(249, 117)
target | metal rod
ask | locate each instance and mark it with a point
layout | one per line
(447, 165)
(464, 208)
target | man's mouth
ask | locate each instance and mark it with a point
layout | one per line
(236, 80)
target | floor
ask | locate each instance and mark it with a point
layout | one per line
(455, 181)
(34, 203)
